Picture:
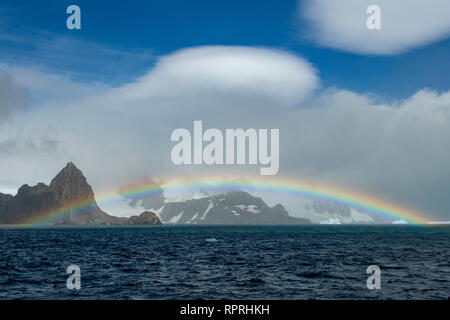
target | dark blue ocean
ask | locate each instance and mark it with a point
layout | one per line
(248, 262)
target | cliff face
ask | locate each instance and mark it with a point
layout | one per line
(64, 194)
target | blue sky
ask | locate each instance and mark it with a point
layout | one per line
(120, 40)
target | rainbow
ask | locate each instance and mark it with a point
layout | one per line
(283, 185)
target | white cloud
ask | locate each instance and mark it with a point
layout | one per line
(405, 24)
(231, 70)
(12, 96)
(58, 53)
(49, 88)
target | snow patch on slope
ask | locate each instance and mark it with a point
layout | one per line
(250, 208)
(194, 217)
(210, 206)
(176, 218)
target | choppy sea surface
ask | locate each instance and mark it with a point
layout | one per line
(246, 262)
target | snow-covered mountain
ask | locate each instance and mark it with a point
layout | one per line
(235, 207)
(241, 207)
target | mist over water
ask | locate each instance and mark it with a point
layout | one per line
(246, 262)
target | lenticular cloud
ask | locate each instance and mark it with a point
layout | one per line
(235, 70)
(405, 24)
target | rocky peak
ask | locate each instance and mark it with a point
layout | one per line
(71, 183)
(69, 172)
(67, 189)
(242, 197)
